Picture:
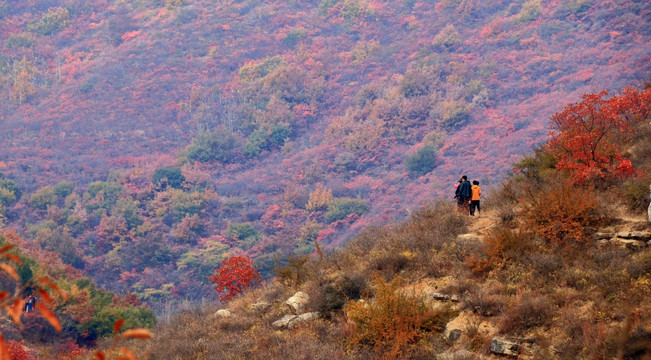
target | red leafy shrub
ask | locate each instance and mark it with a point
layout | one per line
(587, 136)
(233, 276)
(18, 352)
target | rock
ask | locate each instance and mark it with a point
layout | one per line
(283, 322)
(455, 327)
(261, 306)
(223, 313)
(454, 335)
(604, 243)
(636, 235)
(631, 244)
(602, 236)
(502, 346)
(443, 297)
(298, 302)
(468, 238)
(289, 321)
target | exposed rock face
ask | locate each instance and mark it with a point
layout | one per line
(289, 321)
(502, 346)
(633, 240)
(223, 313)
(298, 302)
(635, 235)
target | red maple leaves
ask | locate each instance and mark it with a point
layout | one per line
(587, 136)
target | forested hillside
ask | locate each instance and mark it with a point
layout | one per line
(146, 141)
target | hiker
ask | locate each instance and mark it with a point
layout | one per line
(464, 192)
(456, 193)
(30, 303)
(474, 199)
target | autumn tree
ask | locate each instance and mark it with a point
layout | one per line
(587, 136)
(233, 276)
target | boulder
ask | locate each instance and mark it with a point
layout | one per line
(603, 236)
(289, 321)
(223, 313)
(283, 322)
(503, 346)
(454, 334)
(298, 302)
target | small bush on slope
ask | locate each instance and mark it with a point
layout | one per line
(392, 320)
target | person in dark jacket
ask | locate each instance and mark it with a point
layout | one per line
(457, 188)
(464, 191)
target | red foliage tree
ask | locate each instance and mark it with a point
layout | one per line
(587, 136)
(233, 276)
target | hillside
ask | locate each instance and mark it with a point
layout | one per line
(146, 141)
(556, 266)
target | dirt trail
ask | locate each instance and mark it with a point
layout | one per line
(480, 225)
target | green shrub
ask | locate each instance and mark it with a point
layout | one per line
(104, 193)
(211, 146)
(63, 188)
(244, 234)
(4, 9)
(455, 115)
(530, 11)
(265, 138)
(413, 85)
(294, 36)
(342, 207)
(6, 196)
(352, 9)
(20, 40)
(102, 320)
(423, 161)
(169, 175)
(43, 198)
(345, 161)
(186, 203)
(254, 72)
(447, 38)
(325, 5)
(55, 20)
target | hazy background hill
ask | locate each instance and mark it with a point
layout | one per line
(290, 121)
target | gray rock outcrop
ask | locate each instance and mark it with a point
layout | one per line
(503, 346)
(298, 302)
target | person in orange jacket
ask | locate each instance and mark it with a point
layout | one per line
(474, 199)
